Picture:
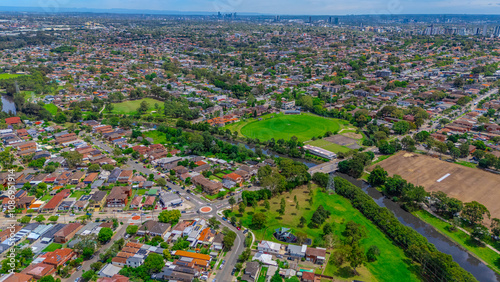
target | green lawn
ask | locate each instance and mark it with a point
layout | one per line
(281, 126)
(484, 253)
(467, 164)
(46, 197)
(51, 108)
(8, 75)
(52, 247)
(262, 275)
(77, 194)
(141, 192)
(391, 265)
(130, 107)
(332, 147)
(158, 136)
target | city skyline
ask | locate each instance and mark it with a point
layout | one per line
(295, 7)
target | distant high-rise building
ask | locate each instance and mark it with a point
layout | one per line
(310, 19)
(485, 30)
(496, 33)
(277, 18)
(330, 20)
(478, 31)
(336, 21)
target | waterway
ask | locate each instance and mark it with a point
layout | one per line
(445, 245)
(8, 104)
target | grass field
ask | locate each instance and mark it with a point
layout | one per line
(484, 253)
(332, 147)
(390, 266)
(158, 136)
(51, 108)
(46, 197)
(467, 164)
(130, 107)
(9, 75)
(52, 247)
(281, 126)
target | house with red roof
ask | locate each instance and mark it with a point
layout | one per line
(231, 180)
(13, 121)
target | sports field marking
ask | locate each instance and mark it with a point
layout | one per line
(443, 178)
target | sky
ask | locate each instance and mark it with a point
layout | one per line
(282, 7)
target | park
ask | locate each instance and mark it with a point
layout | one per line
(304, 126)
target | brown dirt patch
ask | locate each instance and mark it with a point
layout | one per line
(464, 183)
(353, 135)
(340, 140)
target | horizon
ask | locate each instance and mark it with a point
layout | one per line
(260, 7)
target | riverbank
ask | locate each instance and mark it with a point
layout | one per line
(489, 256)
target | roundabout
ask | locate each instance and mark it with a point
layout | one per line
(205, 209)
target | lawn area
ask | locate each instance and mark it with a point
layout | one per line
(484, 253)
(141, 192)
(130, 107)
(77, 194)
(391, 264)
(467, 164)
(158, 136)
(52, 247)
(281, 126)
(332, 147)
(51, 108)
(46, 197)
(9, 75)
(262, 275)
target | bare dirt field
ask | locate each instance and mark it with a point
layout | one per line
(464, 183)
(340, 140)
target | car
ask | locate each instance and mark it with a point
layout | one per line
(245, 231)
(279, 256)
(225, 219)
(78, 279)
(232, 272)
(239, 228)
(289, 258)
(183, 211)
(189, 191)
(79, 267)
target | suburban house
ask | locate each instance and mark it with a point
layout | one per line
(251, 271)
(269, 247)
(118, 197)
(297, 251)
(98, 199)
(67, 233)
(125, 176)
(316, 255)
(208, 186)
(135, 260)
(231, 180)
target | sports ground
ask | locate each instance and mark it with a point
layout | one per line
(461, 182)
(281, 126)
(130, 107)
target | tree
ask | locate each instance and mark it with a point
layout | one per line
(161, 182)
(94, 167)
(282, 206)
(328, 229)
(356, 257)
(378, 176)
(132, 229)
(232, 201)
(25, 219)
(302, 221)
(228, 240)
(39, 218)
(474, 212)
(143, 107)
(73, 158)
(241, 208)
(87, 252)
(105, 234)
(455, 153)
(401, 127)
(49, 278)
(89, 275)
(495, 226)
(267, 205)
(354, 232)
(53, 218)
(259, 220)
(171, 216)
(154, 262)
(166, 254)
(213, 222)
(372, 253)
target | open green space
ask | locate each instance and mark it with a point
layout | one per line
(77, 194)
(46, 197)
(281, 126)
(392, 264)
(130, 107)
(262, 274)
(467, 164)
(486, 254)
(52, 247)
(9, 75)
(51, 108)
(157, 136)
(141, 192)
(332, 147)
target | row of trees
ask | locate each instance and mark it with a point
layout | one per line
(433, 265)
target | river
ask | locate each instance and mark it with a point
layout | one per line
(442, 243)
(8, 104)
